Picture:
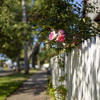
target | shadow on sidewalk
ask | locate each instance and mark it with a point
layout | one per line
(34, 87)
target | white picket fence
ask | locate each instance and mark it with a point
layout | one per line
(83, 71)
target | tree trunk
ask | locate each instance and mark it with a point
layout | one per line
(84, 8)
(26, 58)
(38, 61)
(33, 60)
(18, 64)
(23, 11)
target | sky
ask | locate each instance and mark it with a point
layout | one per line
(78, 1)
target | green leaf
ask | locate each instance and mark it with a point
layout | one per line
(84, 20)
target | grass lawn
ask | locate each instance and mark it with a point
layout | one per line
(11, 82)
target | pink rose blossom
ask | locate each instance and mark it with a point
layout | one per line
(52, 35)
(60, 38)
(53, 32)
(61, 31)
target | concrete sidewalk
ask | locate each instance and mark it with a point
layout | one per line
(4, 73)
(33, 89)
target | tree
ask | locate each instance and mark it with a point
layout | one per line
(34, 53)
(11, 28)
(62, 14)
(29, 48)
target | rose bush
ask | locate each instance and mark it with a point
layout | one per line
(65, 17)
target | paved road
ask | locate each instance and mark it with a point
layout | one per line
(4, 73)
(33, 89)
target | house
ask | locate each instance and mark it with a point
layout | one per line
(95, 16)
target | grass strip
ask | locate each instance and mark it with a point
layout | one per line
(11, 82)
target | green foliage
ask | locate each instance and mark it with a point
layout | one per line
(46, 54)
(12, 27)
(61, 91)
(62, 78)
(61, 14)
(61, 61)
(50, 91)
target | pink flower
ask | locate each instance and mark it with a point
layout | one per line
(61, 31)
(52, 35)
(60, 38)
(53, 32)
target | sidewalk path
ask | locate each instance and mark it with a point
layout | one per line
(33, 89)
(4, 73)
